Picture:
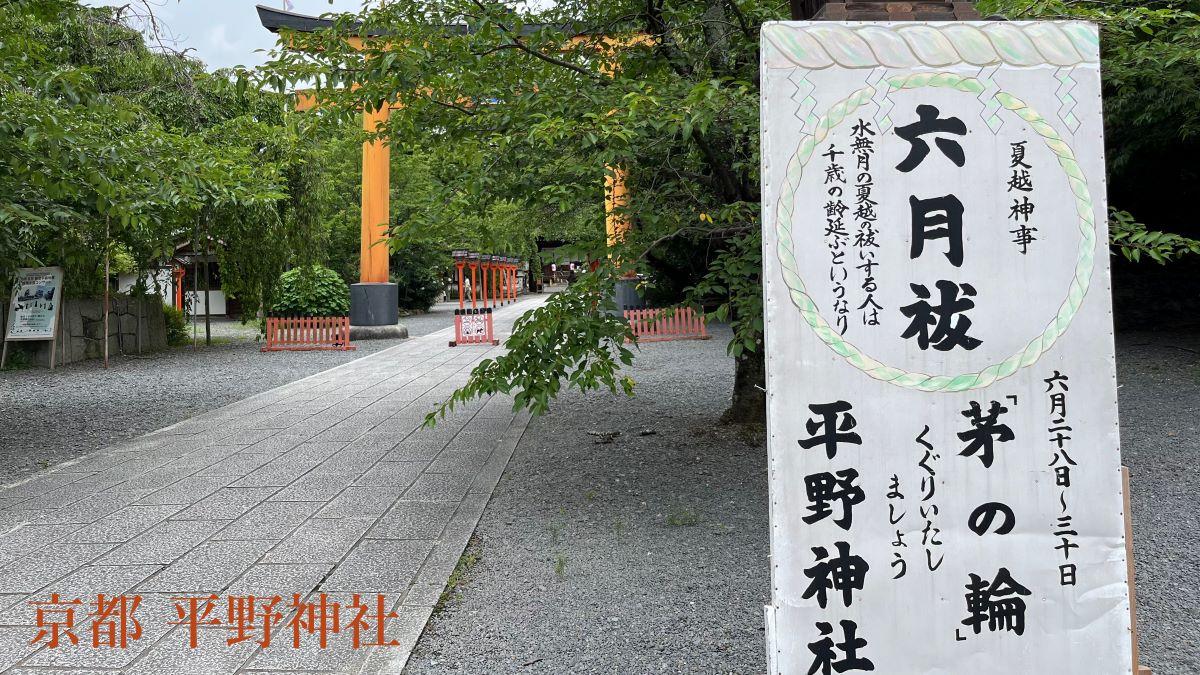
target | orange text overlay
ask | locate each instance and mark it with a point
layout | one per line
(111, 621)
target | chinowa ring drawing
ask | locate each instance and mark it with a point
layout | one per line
(929, 46)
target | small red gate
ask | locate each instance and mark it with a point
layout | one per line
(474, 327)
(303, 333)
(659, 325)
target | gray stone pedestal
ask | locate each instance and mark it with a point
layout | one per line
(626, 295)
(375, 312)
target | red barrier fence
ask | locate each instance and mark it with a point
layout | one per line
(303, 333)
(658, 325)
(493, 277)
(474, 327)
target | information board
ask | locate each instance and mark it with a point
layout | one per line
(943, 444)
(34, 306)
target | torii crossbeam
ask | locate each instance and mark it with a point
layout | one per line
(370, 296)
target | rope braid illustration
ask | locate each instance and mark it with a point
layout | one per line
(1022, 358)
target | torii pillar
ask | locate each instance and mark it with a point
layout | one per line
(617, 222)
(374, 300)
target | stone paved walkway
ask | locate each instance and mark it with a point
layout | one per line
(325, 485)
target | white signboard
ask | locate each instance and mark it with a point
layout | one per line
(33, 311)
(944, 465)
(474, 326)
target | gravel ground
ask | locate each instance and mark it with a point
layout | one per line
(645, 554)
(1160, 437)
(53, 416)
(649, 553)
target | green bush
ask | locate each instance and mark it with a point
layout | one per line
(18, 359)
(311, 291)
(419, 270)
(177, 333)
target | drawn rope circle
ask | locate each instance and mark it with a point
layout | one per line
(1032, 351)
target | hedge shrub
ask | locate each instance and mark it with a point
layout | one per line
(311, 291)
(177, 333)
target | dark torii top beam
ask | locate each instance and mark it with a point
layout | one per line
(275, 20)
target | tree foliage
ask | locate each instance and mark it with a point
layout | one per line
(575, 339)
(535, 107)
(419, 271)
(530, 119)
(1134, 240)
(108, 147)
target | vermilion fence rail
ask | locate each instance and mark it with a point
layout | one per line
(658, 325)
(304, 333)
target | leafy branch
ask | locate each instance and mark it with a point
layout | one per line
(1133, 240)
(735, 276)
(576, 337)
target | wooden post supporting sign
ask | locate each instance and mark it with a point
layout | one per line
(1138, 668)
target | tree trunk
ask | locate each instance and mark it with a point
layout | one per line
(137, 328)
(195, 280)
(107, 309)
(749, 404)
(716, 34)
(207, 314)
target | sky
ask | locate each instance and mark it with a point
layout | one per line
(224, 33)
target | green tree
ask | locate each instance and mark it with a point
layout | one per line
(107, 146)
(535, 107)
(548, 111)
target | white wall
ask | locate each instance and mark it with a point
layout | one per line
(216, 302)
(166, 285)
(216, 299)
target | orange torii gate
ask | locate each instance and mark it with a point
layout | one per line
(372, 296)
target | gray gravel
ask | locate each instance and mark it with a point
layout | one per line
(646, 554)
(49, 417)
(1160, 437)
(664, 596)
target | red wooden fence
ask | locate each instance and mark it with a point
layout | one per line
(658, 325)
(304, 333)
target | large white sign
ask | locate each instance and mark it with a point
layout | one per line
(944, 466)
(33, 311)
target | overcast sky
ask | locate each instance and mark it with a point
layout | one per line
(226, 33)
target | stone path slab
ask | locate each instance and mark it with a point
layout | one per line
(326, 485)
